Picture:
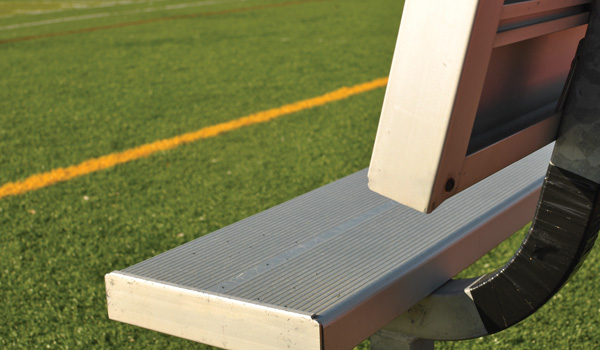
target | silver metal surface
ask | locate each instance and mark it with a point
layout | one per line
(345, 256)
(446, 314)
(389, 340)
(206, 317)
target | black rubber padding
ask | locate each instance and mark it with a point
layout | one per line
(563, 231)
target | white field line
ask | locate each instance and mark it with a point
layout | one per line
(55, 20)
(79, 6)
(112, 14)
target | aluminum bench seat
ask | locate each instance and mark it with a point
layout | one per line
(324, 270)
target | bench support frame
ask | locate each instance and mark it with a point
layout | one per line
(386, 339)
(562, 233)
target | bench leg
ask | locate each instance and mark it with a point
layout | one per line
(390, 340)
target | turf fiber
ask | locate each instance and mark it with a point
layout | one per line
(71, 97)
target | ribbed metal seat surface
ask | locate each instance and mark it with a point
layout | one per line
(324, 270)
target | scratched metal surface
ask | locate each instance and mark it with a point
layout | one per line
(324, 249)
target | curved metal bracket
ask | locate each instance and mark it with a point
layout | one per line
(562, 233)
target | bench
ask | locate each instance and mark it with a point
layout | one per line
(324, 270)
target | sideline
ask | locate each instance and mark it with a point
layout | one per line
(77, 7)
(52, 177)
(114, 14)
(155, 20)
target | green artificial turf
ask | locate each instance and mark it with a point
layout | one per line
(68, 98)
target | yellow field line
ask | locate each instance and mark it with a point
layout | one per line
(41, 180)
